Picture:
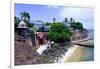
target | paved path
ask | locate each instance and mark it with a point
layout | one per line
(42, 48)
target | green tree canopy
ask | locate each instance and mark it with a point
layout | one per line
(25, 16)
(59, 32)
(41, 29)
(47, 24)
(16, 21)
(77, 25)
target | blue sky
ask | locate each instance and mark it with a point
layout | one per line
(47, 12)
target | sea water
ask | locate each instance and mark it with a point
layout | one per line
(88, 52)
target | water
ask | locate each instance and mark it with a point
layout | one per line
(91, 33)
(88, 52)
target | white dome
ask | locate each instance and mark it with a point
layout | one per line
(22, 24)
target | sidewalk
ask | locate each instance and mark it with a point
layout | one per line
(42, 48)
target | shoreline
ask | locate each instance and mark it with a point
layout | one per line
(69, 55)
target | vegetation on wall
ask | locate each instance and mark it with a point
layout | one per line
(77, 25)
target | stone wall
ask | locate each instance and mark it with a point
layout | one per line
(24, 53)
(78, 35)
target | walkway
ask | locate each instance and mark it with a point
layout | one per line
(42, 48)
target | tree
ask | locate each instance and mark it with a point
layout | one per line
(47, 24)
(17, 21)
(26, 18)
(30, 25)
(59, 33)
(77, 25)
(41, 29)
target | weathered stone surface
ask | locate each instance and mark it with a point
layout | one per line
(24, 53)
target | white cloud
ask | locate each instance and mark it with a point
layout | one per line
(84, 15)
(76, 12)
(52, 6)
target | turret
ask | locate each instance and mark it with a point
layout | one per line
(22, 29)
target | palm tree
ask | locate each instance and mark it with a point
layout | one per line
(25, 16)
